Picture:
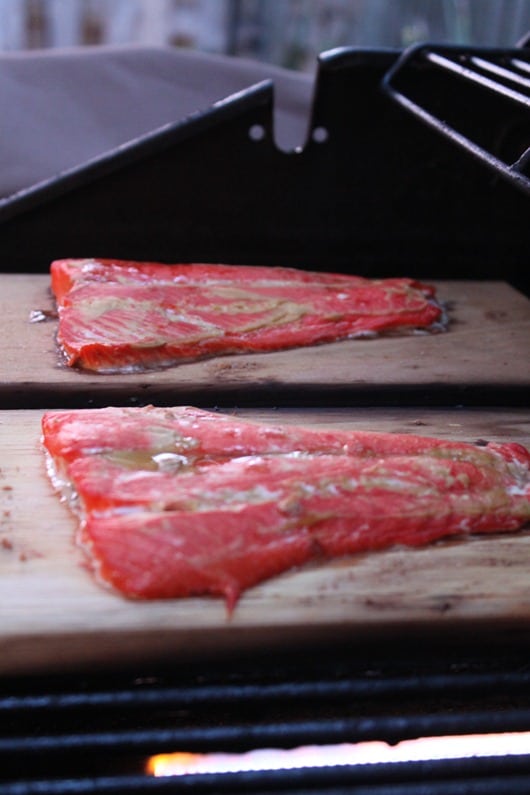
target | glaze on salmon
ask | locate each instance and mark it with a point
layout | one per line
(180, 502)
(117, 316)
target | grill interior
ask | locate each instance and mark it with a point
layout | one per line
(95, 733)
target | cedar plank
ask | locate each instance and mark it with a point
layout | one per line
(486, 346)
(54, 616)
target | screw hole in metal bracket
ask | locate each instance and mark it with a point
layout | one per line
(256, 132)
(320, 135)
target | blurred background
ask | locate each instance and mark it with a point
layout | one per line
(287, 33)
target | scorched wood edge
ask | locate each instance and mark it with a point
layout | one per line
(53, 614)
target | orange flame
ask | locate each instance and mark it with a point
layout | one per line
(168, 764)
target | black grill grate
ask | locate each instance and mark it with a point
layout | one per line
(477, 98)
(94, 734)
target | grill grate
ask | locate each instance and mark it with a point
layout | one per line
(478, 98)
(94, 734)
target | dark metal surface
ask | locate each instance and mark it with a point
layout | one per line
(373, 191)
(94, 733)
(478, 98)
(461, 777)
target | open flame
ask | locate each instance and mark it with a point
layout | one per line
(374, 752)
(163, 764)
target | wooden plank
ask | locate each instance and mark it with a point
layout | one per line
(485, 348)
(53, 614)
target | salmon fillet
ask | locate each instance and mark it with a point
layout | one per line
(117, 316)
(175, 502)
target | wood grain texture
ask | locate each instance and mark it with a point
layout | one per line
(486, 346)
(54, 615)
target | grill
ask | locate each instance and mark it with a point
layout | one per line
(449, 192)
(95, 733)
